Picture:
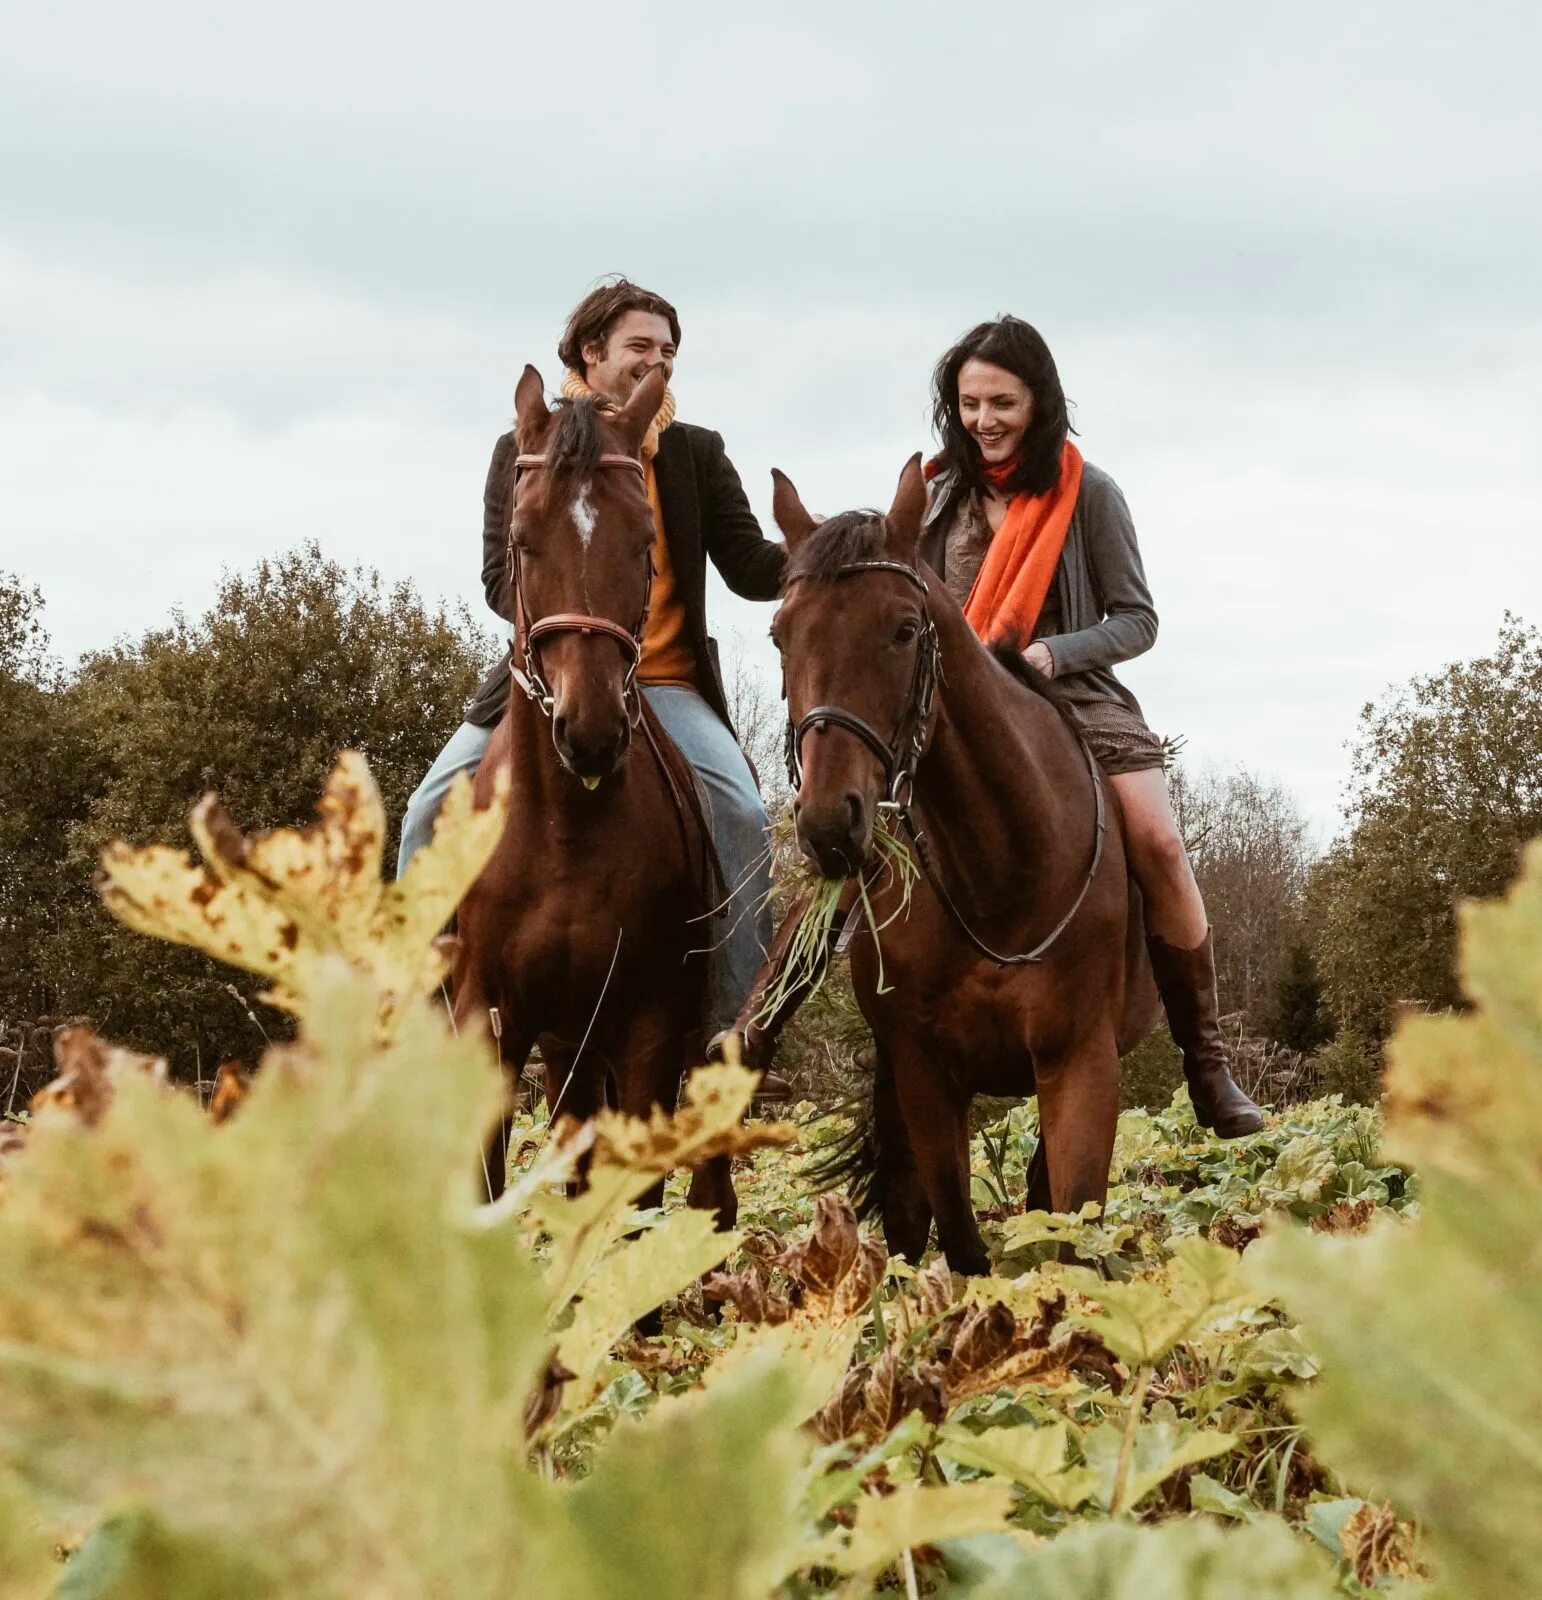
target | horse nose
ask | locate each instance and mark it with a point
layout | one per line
(834, 835)
(591, 753)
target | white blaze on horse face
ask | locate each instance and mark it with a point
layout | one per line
(584, 517)
(584, 520)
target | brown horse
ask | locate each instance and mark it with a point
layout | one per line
(584, 932)
(1019, 965)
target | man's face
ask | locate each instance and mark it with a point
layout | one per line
(640, 341)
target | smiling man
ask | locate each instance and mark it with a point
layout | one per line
(616, 334)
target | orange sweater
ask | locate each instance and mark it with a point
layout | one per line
(667, 656)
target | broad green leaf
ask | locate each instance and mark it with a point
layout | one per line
(632, 1280)
(1159, 1450)
(284, 903)
(136, 1556)
(1033, 1457)
(1301, 1172)
(888, 1525)
(698, 1499)
(1210, 1494)
(1431, 1393)
(1178, 1561)
(284, 1335)
(27, 1567)
(1145, 1318)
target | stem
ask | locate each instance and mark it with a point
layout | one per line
(1127, 1444)
(912, 1588)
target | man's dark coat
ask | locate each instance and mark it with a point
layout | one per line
(705, 514)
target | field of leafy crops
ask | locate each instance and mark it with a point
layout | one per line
(280, 1351)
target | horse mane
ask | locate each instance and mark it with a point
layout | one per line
(837, 542)
(574, 446)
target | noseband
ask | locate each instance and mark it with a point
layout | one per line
(528, 635)
(901, 755)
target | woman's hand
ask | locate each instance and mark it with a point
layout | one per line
(1038, 657)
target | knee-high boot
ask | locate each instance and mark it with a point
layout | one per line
(1186, 981)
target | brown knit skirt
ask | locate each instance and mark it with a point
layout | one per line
(1118, 737)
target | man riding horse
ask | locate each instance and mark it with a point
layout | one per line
(615, 336)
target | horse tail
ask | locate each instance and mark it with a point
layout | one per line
(855, 1161)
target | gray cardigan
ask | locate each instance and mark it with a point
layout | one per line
(1100, 586)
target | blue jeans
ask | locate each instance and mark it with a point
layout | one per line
(739, 824)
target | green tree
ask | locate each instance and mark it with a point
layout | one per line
(296, 660)
(1295, 1016)
(1251, 852)
(44, 783)
(1446, 787)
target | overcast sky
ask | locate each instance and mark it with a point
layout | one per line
(269, 273)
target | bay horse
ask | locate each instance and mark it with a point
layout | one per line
(583, 934)
(1019, 964)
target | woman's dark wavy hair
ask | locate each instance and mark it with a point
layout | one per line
(1018, 347)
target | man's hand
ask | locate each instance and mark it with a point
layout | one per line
(1038, 656)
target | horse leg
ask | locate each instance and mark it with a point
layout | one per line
(649, 1067)
(936, 1114)
(1078, 1118)
(902, 1204)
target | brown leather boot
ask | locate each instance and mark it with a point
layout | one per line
(760, 1033)
(1186, 981)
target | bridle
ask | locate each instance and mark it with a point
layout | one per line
(901, 755)
(528, 635)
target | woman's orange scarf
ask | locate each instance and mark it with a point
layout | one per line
(1019, 566)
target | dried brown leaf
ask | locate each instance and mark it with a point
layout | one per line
(986, 1334)
(89, 1068)
(545, 1400)
(1348, 1216)
(232, 1084)
(750, 1294)
(858, 1286)
(842, 1416)
(1375, 1543)
(934, 1288)
(821, 1261)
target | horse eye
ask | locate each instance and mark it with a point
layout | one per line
(908, 629)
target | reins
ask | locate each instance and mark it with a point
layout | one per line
(528, 635)
(901, 755)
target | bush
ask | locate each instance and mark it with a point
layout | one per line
(295, 660)
(1350, 1066)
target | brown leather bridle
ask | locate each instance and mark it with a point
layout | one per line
(528, 635)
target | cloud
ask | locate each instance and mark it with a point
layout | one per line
(270, 276)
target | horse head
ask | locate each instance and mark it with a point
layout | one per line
(580, 541)
(859, 663)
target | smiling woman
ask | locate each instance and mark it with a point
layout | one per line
(1039, 548)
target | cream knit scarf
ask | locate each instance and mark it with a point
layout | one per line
(574, 388)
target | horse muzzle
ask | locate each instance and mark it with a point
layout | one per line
(591, 753)
(836, 836)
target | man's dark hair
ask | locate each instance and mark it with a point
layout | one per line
(1012, 344)
(601, 309)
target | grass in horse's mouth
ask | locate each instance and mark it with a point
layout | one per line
(816, 932)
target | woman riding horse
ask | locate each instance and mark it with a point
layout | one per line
(1039, 548)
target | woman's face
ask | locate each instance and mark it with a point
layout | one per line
(996, 408)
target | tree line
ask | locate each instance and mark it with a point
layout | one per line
(299, 658)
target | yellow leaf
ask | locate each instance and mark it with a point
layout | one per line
(281, 903)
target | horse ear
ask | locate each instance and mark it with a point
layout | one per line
(636, 416)
(530, 411)
(904, 519)
(791, 517)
